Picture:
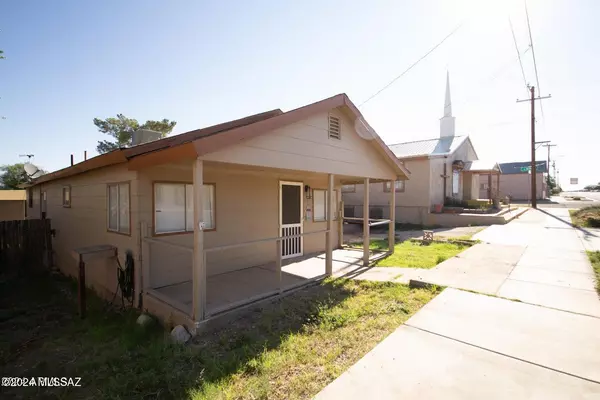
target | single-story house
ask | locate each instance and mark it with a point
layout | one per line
(210, 214)
(515, 181)
(12, 205)
(443, 167)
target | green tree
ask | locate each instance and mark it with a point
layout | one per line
(12, 176)
(121, 129)
(1, 55)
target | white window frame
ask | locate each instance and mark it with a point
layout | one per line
(66, 192)
(118, 185)
(399, 186)
(455, 179)
(324, 213)
(351, 188)
(188, 191)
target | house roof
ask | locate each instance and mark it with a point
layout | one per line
(429, 147)
(207, 140)
(12, 195)
(481, 166)
(515, 167)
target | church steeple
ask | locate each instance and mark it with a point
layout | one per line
(447, 121)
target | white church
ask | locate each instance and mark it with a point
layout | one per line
(443, 169)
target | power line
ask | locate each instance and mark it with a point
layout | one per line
(413, 65)
(518, 53)
(537, 80)
(495, 75)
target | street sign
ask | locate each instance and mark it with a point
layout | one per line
(574, 181)
(525, 169)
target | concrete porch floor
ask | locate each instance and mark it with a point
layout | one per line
(227, 290)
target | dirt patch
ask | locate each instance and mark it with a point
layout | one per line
(586, 217)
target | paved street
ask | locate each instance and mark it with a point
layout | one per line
(465, 345)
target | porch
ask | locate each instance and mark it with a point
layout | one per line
(479, 182)
(245, 235)
(230, 290)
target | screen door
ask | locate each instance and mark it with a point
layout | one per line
(290, 218)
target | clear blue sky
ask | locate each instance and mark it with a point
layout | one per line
(202, 63)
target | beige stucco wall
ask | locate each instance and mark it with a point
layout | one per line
(516, 185)
(247, 208)
(12, 210)
(85, 223)
(306, 146)
(34, 211)
(411, 205)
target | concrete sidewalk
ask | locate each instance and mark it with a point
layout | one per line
(466, 345)
(554, 270)
(539, 259)
(470, 346)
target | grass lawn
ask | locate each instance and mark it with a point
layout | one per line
(588, 217)
(415, 255)
(290, 349)
(595, 260)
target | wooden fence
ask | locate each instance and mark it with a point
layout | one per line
(25, 244)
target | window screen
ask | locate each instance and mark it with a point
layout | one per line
(174, 207)
(118, 208)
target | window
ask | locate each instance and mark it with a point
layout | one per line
(375, 213)
(335, 128)
(348, 188)
(66, 196)
(320, 205)
(455, 182)
(30, 197)
(483, 186)
(174, 207)
(349, 211)
(118, 208)
(398, 185)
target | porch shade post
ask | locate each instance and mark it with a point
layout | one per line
(498, 183)
(328, 236)
(278, 265)
(199, 265)
(146, 267)
(366, 228)
(340, 224)
(392, 227)
(490, 187)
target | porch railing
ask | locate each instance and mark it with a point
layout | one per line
(149, 243)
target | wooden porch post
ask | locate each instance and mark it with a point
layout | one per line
(392, 227)
(146, 267)
(328, 241)
(340, 223)
(498, 183)
(490, 187)
(366, 239)
(199, 264)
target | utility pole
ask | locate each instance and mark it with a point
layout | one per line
(533, 143)
(548, 146)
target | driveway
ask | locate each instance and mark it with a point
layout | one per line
(465, 345)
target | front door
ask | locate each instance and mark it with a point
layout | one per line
(290, 218)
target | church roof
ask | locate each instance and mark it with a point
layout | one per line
(429, 147)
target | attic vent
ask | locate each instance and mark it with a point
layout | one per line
(334, 127)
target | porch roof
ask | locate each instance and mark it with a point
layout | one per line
(482, 166)
(207, 140)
